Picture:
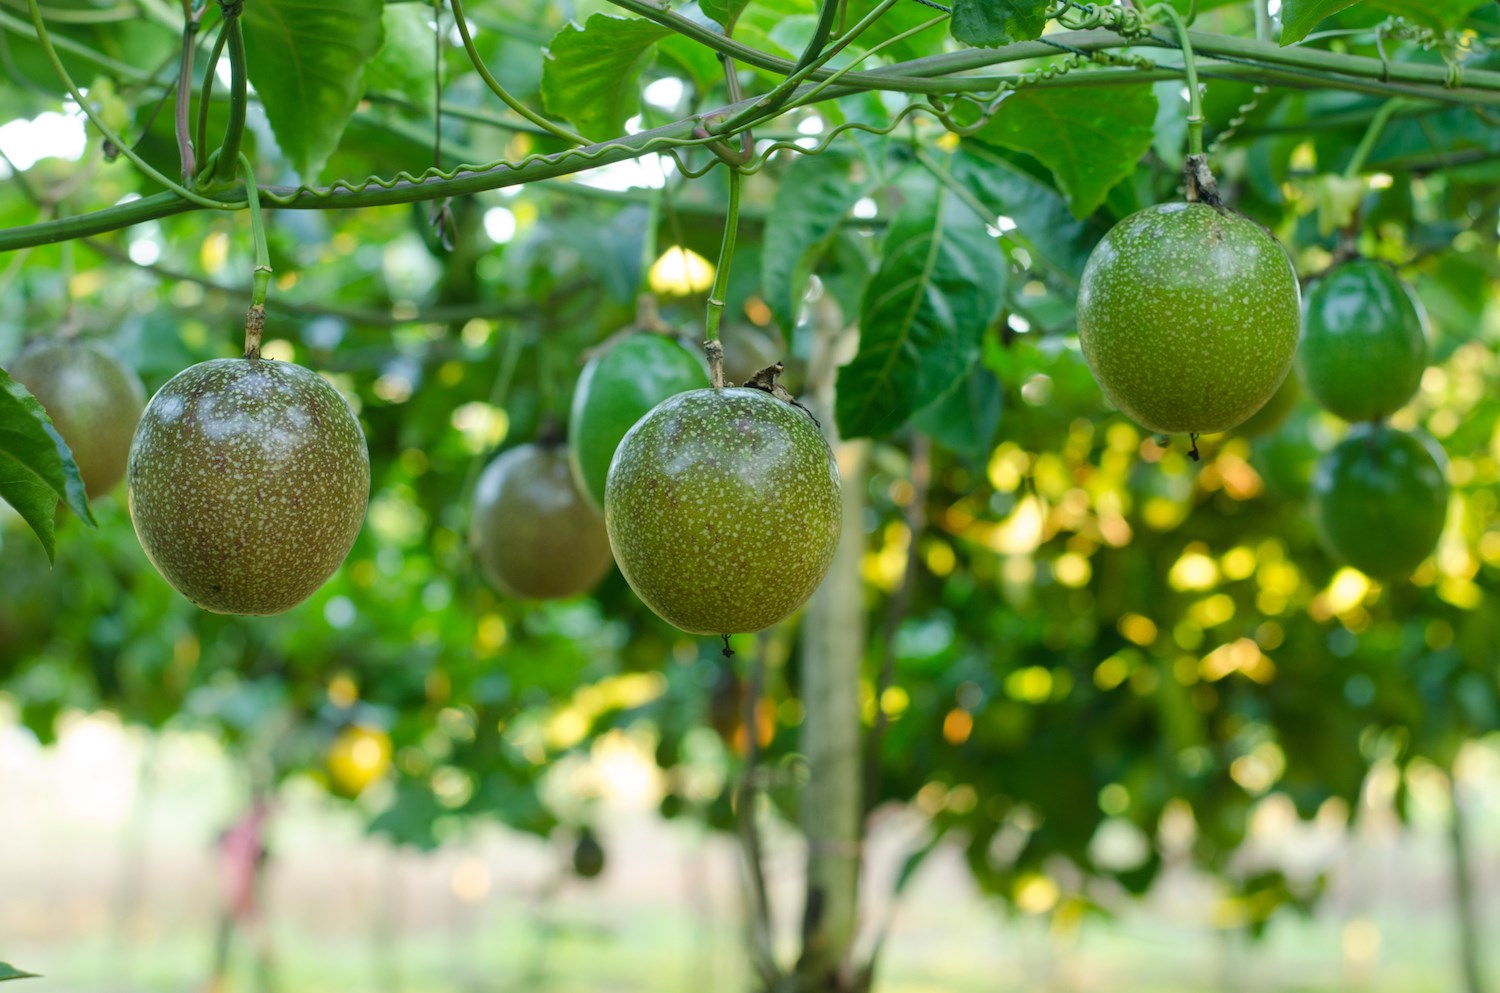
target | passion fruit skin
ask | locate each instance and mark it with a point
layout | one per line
(247, 483)
(615, 389)
(534, 534)
(94, 401)
(723, 509)
(1188, 317)
(1364, 341)
(1380, 499)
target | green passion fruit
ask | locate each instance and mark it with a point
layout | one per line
(94, 401)
(615, 389)
(1380, 499)
(1364, 341)
(534, 534)
(247, 483)
(1188, 317)
(723, 509)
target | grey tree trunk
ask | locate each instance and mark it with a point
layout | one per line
(1463, 893)
(833, 636)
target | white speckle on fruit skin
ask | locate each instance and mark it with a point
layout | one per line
(723, 509)
(247, 484)
(1188, 317)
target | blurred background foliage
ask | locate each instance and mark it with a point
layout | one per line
(1103, 654)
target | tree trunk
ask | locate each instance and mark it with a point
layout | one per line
(1463, 892)
(833, 636)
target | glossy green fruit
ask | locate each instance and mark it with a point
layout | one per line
(1380, 498)
(247, 483)
(533, 533)
(1364, 342)
(615, 389)
(723, 509)
(94, 402)
(1188, 317)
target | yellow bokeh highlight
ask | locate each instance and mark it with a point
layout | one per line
(1141, 630)
(1194, 570)
(1243, 656)
(1032, 684)
(359, 755)
(1035, 894)
(680, 272)
(958, 724)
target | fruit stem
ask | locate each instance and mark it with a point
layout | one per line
(1371, 135)
(234, 131)
(1190, 70)
(711, 345)
(255, 318)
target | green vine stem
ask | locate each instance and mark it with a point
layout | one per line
(185, 92)
(812, 58)
(255, 317)
(500, 91)
(209, 71)
(45, 38)
(1190, 70)
(712, 347)
(234, 131)
(1371, 135)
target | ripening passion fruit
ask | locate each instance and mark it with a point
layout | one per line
(94, 400)
(1364, 341)
(723, 509)
(533, 533)
(1380, 499)
(247, 483)
(1188, 316)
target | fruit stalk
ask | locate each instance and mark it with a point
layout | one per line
(255, 318)
(711, 344)
(185, 91)
(1190, 70)
(1371, 135)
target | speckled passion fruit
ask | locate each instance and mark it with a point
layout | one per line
(1380, 499)
(616, 387)
(723, 509)
(94, 401)
(1188, 317)
(533, 533)
(247, 483)
(1364, 341)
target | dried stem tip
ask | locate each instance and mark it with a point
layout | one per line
(255, 322)
(1199, 183)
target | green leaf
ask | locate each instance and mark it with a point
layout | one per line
(11, 972)
(590, 72)
(988, 23)
(723, 11)
(1055, 238)
(939, 286)
(403, 66)
(1437, 14)
(966, 419)
(36, 467)
(1298, 17)
(811, 199)
(1088, 143)
(307, 61)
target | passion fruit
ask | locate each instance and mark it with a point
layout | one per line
(723, 509)
(1188, 316)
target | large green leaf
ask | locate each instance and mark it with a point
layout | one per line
(988, 23)
(11, 972)
(36, 467)
(307, 61)
(1088, 143)
(811, 199)
(590, 72)
(404, 64)
(939, 286)
(1058, 242)
(1298, 17)
(966, 419)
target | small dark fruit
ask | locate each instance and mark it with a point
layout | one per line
(94, 401)
(533, 533)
